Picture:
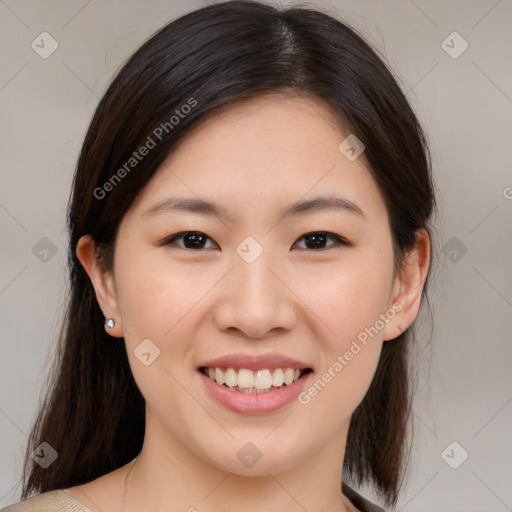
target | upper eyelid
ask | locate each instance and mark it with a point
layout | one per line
(338, 238)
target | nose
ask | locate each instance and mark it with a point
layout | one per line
(255, 300)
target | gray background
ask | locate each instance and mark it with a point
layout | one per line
(465, 103)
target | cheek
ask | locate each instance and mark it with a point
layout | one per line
(332, 397)
(157, 304)
(154, 295)
(350, 303)
(348, 296)
(349, 300)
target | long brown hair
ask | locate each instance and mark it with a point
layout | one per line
(93, 413)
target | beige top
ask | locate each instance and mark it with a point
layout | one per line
(51, 501)
(60, 501)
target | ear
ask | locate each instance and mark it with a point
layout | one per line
(102, 281)
(408, 287)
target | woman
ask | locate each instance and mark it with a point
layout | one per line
(249, 246)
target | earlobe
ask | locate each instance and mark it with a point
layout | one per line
(408, 287)
(102, 281)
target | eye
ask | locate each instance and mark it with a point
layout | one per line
(191, 239)
(317, 240)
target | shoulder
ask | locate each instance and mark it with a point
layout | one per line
(51, 501)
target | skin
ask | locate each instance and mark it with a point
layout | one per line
(303, 302)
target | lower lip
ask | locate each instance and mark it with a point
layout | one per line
(254, 403)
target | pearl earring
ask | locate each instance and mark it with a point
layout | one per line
(109, 323)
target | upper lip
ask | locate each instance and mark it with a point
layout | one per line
(253, 362)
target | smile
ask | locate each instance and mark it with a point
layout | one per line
(257, 381)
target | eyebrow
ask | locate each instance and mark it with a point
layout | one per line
(200, 206)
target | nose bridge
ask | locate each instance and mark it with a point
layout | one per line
(254, 282)
(256, 300)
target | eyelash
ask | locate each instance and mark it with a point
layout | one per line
(338, 239)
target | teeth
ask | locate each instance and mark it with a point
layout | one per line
(219, 376)
(278, 378)
(263, 379)
(245, 378)
(248, 381)
(231, 378)
(288, 376)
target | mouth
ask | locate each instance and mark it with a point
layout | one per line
(249, 381)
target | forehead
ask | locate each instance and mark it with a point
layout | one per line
(267, 151)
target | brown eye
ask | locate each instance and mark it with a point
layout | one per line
(316, 240)
(196, 240)
(191, 240)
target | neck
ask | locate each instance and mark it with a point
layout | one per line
(160, 476)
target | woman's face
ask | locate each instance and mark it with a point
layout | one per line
(249, 284)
